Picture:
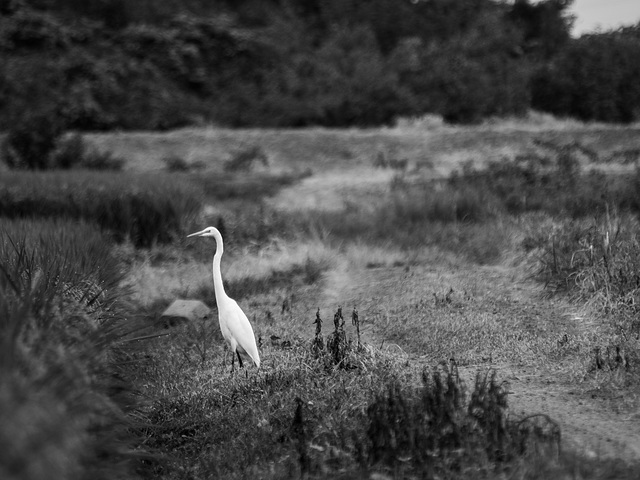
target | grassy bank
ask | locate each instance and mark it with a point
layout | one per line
(141, 208)
(63, 399)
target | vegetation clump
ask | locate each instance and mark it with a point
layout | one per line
(40, 144)
(337, 351)
(29, 144)
(72, 152)
(63, 400)
(140, 208)
(245, 159)
(438, 431)
(555, 183)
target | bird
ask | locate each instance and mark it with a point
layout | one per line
(234, 324)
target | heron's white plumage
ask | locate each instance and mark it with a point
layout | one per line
(237, 330)
(234, 324)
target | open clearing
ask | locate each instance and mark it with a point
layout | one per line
(425, 306)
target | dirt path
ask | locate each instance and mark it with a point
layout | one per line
(330, 190)
(589, 424)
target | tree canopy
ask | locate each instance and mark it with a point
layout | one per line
(156, 64)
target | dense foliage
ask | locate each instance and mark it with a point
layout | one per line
(103, 64)
(594, 78)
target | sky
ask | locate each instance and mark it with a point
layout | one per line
(606, 14)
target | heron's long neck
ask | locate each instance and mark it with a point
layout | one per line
(217, 275)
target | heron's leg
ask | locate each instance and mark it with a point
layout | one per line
(233, 361)
(224, 356)
(239, 359)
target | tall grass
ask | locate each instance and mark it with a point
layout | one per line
(142, 208)
(468, 221)
(555, 184)
(471, 213)
(596, 260)
(62, 400)
(441, 429)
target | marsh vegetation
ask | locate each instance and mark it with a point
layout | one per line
(439, 278)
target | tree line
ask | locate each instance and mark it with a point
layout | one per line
(159, 64)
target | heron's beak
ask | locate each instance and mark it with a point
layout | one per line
(196, 234)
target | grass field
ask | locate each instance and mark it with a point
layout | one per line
(496, 334)
(440, 148)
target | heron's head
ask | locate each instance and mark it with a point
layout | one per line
(207, 232)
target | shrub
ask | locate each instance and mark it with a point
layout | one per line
(29, 143)
(438, 430)
(101, 160)
(48, 149)
(175, 163)
(73, 152)
(69, 152)
(244, 159)
(338, 352)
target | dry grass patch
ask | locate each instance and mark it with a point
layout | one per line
(246, 272)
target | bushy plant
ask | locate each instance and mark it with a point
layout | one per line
(439, 429)
(101, 160)
(176, 163)
(69, 152)
(73, 152)
(29, 144)
(245, 159)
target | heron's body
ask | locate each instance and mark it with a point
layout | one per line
(234, 324)
(237, 330)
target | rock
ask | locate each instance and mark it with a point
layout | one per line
(181, 311)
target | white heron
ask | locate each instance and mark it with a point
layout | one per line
(234, 324)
